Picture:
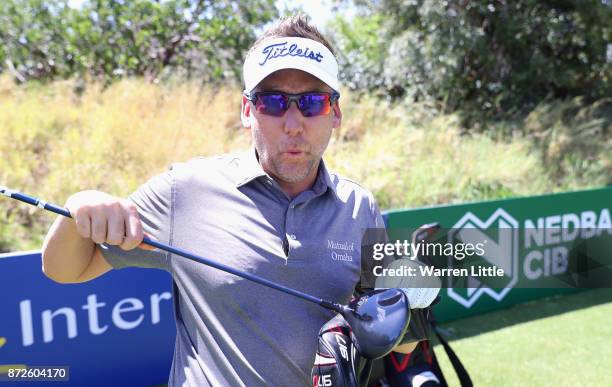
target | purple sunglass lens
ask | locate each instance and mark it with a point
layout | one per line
(314, 104)
(273, 104)
(310, 104)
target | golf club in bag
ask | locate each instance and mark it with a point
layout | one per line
(338, 362)
(372, 336)
(420, 368)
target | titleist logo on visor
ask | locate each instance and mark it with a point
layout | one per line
(279, 50)
(290, 52)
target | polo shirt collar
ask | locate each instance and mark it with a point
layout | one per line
(324, 181)
(250, 169)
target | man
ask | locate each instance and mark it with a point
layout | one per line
(275, 211)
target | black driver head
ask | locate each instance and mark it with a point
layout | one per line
(378, 321)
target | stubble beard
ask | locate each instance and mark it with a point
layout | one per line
(292, 172)
(283, 168)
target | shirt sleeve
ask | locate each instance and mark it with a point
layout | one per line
(154, 201)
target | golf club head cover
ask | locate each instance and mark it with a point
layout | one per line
(337, 361)
(421, 297)
(421, 289)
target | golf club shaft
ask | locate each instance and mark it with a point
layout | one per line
(262, 281)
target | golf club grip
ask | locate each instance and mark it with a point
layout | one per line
(262, 281)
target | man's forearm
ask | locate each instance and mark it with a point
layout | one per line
(69, 251)
(65, 254)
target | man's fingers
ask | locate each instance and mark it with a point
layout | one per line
(106, 219)
(133, 228)
(83, 224)
(98, 226)
(144, 246)
(115, 233)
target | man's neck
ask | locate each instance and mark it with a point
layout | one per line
(294, 189)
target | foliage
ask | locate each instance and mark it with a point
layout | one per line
(494, 57)
(575, 138)
(55, 142)
(107, 39)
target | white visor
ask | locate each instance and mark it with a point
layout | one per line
(290, 53)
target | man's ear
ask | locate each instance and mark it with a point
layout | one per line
(245, 113)
(337, 115)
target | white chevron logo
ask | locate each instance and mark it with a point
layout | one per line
(502, 253)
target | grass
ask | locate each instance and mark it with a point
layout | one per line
(557, 341)
(55, 142)
(561, 341)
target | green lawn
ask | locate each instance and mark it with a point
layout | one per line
(560, 341)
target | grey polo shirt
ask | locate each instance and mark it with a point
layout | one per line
(230, 331)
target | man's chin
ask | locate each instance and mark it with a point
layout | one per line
(294, 171)
(293, 178)
(294, 175)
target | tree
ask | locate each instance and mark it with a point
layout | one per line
(493, 56)
(107, 39)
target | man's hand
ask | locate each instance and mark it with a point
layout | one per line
(69, 252)
(106, 219)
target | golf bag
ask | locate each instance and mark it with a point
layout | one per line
(337, 361)
(420, 368)
(416, 369)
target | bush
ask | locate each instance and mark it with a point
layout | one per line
(55, 142)
(109, 39)
(487, 58)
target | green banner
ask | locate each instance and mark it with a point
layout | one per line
(546, 245)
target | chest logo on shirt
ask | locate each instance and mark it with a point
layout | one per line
(341, 251)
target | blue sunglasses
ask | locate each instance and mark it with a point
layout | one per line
(276, 103)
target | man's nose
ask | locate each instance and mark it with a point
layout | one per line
(294, 120)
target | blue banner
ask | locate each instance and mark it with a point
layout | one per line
(117, 330)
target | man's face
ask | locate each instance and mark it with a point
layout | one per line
(290, 147)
